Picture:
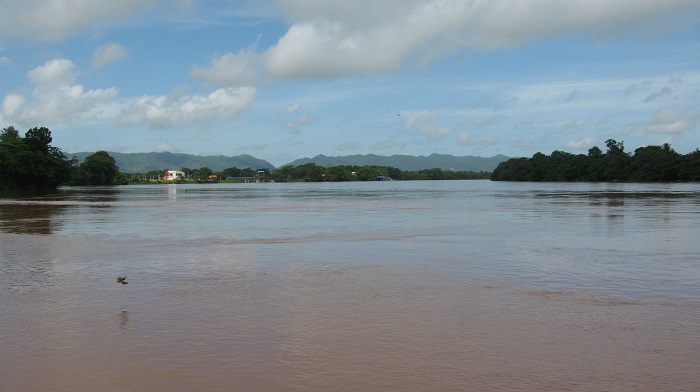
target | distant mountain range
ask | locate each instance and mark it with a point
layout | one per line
(148, 161)
(142, 162)
(410, 162)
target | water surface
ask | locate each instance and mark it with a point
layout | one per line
(414, 286)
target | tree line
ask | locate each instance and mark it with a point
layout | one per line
(30, 162)
(646, 164)
(311, 172)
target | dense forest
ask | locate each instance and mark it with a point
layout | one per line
(651, 163)
(30, 162)
(314, 172)
(311, 172)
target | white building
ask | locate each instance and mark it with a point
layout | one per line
(172, 175)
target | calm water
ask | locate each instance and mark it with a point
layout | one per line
(386, 286)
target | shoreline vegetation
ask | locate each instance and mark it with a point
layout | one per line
(309, 172)
(30, 163)
(646, 164)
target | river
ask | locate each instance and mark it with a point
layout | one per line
(376, 286)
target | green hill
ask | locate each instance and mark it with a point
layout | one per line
(409, 162)
(147, 161)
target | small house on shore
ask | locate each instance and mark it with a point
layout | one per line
(172, 175)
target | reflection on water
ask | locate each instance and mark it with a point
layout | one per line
(416, 286)
(29, 218)
(123, 319)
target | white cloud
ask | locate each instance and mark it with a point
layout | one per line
(295, 126)
(238, 69)
(485, 122)
(611, 96)
(329, 39)
(173, 111)
(435, 132)
(54, 97)
(418, 120)
(4, 60)
(671, 122)
(293, 108)
(463, 138)
(425, 124)
(53, 20)
(165, 147)
(585, 143)
(108, 54)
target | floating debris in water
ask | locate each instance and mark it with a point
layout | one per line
(122, 280)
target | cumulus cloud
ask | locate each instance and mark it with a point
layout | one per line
(173, 111)
(295, 126)
(464, 138)
(53, 20)
(416, 121)
(293, 108)
(672, 122)
(329, 39)
(585, 143)
(54, 98)
(108, 54)
(424, 124)
(434, 132)
(231, 69)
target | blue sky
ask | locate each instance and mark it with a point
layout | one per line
(284, 79)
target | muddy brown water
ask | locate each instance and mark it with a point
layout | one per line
(387, 286)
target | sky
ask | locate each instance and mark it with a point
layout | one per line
(287, 79)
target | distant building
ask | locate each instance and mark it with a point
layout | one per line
(172, 175)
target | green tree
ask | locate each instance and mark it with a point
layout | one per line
(285, 173)
(616, 161)
(339, 173)
(311, 172)
(595, 152)
(654, 163)
(689, 166)
(31, 162)
(9, 135)
(247, 172)
(651, 163)
(615, 147)
(98, 169)
(367, 173)
(202, 173)
(188, 172)
(232, 172)
(39, 139)
(432, 174)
